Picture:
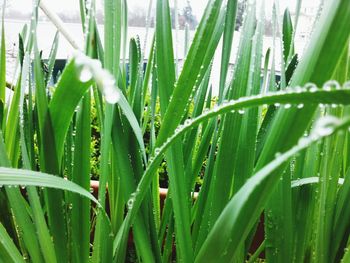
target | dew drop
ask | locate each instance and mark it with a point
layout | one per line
(346, 85)
(303, 141)
(298, 89)
(111, 94)
(188, 122)
(311, 87)
(278, 154)
(325, 126)
(85, 74)
(156, 151)
(130, 203)
(330, 85)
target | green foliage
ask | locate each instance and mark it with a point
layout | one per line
(262, 146)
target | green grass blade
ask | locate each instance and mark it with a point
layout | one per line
(230, 24)
(164, 54)
(112, 36)
(61, 116)
(11, 132)
(191, 69)
(80, 208)
(19, 177)
(174, 114)
(52, 57)
(340, 229)
(8, 248)
(43, 233)
(330, 36)
(346, 257)
(22, 216)
(287, 97)
(287, 34)
(3, 59)
(228, 149)
(240, 215)
(303, 206)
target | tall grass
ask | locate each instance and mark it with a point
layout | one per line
(277, 148)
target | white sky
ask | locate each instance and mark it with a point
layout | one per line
(197, 5)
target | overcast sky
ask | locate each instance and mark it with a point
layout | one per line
(197, 5)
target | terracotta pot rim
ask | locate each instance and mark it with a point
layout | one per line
(162, 191)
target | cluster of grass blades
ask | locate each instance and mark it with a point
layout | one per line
(277, 148)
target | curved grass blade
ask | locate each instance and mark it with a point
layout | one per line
(297, 97)
(20, 212)
(240, 215)
(61, 116)
(325, 49)
(19, 177)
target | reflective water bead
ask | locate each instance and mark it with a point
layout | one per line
(85, 74)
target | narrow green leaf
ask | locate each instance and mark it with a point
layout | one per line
(164, 54)
(240, 215)
(19, 177)
(9, 247)
(302, 96)
(287, 35)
